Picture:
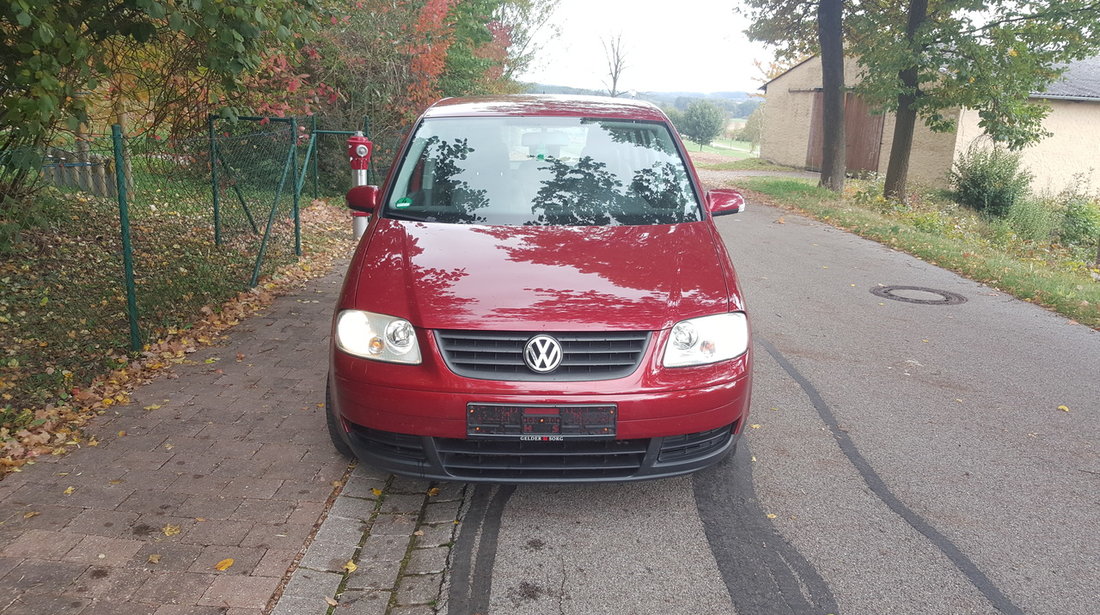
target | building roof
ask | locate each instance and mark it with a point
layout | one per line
(545, 105)
(1080, 81)
(776, 78)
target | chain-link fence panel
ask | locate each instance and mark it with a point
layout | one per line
(70, 284)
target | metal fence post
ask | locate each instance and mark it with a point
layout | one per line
(373, 177)
(294, 183)
(316, 154)
(124, 226)
(214, 180)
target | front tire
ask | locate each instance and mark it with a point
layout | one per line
(335, 430)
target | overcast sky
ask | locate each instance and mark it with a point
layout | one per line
(677, 45)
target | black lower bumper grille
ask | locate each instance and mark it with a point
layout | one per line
(569, 460)
(391, 445)
(541, 460)
(695, 445)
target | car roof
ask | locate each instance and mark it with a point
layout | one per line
(545, 105)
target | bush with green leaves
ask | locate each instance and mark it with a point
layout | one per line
(989, 180)
(1033, 219)
(1080, 222)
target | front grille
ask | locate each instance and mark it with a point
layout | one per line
(498, 355)
(567, 460)
(694, 445)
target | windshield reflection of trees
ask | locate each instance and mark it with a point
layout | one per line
(588, 194)
(449, 198)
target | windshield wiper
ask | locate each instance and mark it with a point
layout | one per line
(400, 216)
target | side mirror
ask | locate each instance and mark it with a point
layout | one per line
(722, 202)
(364, 198)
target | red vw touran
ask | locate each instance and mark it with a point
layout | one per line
(540, 295)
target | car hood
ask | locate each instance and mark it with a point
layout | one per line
(532, 278)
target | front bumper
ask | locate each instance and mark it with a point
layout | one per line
(507, 461)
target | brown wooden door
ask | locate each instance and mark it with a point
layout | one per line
(862, 135)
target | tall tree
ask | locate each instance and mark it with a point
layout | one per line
(616, 62)
(52, 53)
(830, 37)
(800, 28)
(897, 172)
(525, 22)
(986, 56)
(702, 122)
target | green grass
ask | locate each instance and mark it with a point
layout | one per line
(744, 164)
(723, 147)
(949, 236)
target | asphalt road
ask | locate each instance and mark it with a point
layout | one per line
(904, 458)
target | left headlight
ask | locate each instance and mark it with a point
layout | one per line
(377, 336)
(709, 339)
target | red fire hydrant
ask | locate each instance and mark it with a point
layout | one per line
(359, 151)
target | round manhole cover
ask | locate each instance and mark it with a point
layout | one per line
(918, 294)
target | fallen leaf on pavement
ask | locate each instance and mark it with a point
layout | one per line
(433, 491)
(224, 565)
(154, 558)
(772, 515)
(1064, 408)
(350, 567)
(755, 425)
(331, 602)
(69, 491)
(376, 491)
(170, 530)
(29, 514)
(418, 533)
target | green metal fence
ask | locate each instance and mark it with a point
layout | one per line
(145, 233)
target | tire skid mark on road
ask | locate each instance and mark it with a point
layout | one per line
(877, 486)
(763, 573)
(476, 549)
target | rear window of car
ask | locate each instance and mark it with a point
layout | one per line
(543, 171)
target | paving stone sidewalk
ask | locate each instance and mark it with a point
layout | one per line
(397, 535)
(232, 461)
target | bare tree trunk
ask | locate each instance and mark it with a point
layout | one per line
(897, 172)
(616, 62)
(834, 148)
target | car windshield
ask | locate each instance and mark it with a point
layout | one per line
(543, 171)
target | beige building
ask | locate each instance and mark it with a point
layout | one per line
(792, 131)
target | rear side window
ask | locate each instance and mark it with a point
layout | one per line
(543, 171)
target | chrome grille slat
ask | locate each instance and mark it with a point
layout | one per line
(498, 355)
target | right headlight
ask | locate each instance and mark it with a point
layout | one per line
(377, 336)
(708, 339)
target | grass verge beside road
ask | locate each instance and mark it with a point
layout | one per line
(730, 149)
(948, 236)
(745, 164)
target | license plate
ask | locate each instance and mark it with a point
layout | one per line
(541, 423)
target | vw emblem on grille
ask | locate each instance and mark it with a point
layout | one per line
(542, 354)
